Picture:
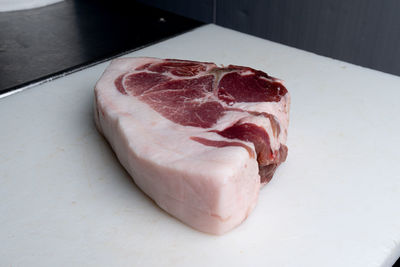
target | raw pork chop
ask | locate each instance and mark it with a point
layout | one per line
(199, 139)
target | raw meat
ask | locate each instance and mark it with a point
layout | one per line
(199, 139)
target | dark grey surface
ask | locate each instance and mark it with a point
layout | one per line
(363, 32)
(46, 42)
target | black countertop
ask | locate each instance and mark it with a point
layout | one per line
(46, 42)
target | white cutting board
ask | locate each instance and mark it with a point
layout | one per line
(66, 201)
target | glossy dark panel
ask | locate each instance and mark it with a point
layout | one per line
(41, 43)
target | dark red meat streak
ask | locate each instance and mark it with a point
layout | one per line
(215, 143)
(276, 128)
(256, 87)
(259, 137)
(195, 101)
(251, 133)
(119, 85)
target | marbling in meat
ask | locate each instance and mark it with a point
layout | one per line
(199, 139)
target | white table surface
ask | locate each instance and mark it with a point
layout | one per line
(66, 201)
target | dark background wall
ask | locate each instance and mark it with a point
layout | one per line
(363, 32)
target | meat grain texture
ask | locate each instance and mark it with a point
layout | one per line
(197, 138)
